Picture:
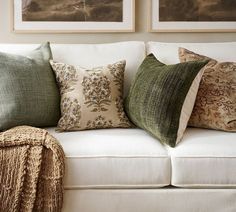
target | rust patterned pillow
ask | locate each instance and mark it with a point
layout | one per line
(91, 99)
(215, 106)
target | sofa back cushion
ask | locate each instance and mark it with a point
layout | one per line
(91, 55)
(168, 52)
(213, 114)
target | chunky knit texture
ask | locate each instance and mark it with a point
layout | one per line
(31, 171)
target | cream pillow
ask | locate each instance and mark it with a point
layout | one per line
(91, 98)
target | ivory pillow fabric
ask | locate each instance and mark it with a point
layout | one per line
(162, 97)
(215, 106)
(91, 99)
(28, 90)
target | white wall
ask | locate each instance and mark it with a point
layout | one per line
(6, 36)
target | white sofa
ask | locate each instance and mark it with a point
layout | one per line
(127, 170)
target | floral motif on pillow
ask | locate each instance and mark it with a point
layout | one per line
(91, 98)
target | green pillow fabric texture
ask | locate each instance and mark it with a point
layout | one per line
(28, 90)
(157, 98)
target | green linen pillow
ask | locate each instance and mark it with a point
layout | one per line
(162, 97)
(28, 90)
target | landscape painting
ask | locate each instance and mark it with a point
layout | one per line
(193, 15)
(197, 10)
(73, 16)
(73, 10)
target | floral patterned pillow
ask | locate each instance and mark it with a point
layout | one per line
(91, 99)
(215, 106)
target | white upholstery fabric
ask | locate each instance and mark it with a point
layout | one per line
(114, 158)
(130, 158)
(150, 200)
(168, 52)
(91, 55)
(204, 158)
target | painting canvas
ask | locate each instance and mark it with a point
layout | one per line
(74, 15)
(73, 10)
(193, 15)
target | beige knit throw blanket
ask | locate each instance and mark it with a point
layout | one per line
(31, 171)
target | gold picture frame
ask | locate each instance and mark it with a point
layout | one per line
(29, 23)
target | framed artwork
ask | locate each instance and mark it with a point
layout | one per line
(193, 16)
(73, 16)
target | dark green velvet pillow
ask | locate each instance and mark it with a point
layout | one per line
(162, 97)
(28, 90)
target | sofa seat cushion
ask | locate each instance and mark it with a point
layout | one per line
(114, 158)
(204, 159)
